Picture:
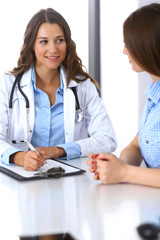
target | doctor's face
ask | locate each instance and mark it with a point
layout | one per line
(50, 46)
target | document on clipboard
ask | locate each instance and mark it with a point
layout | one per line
(57, 169)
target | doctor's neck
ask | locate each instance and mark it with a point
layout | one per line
(48, 75)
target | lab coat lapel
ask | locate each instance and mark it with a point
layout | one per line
(69, 107)
(27, 88)
(69, 114)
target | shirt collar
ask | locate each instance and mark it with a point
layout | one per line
(33, 78)
(153, 91)
(64, 78)
(61, 88)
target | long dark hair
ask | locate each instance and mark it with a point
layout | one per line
(141, 32)
(72, 62)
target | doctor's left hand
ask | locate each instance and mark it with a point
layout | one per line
(30, 160)
(52, 152)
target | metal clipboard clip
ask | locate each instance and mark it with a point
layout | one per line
(55, 172)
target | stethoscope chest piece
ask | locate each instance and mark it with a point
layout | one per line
(79, 115)
(79, 111)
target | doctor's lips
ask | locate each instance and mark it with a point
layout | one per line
(52, 57)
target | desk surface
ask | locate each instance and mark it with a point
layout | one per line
(78, 205)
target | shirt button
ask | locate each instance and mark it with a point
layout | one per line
(149, 99)
(30, 131)
(147, 141)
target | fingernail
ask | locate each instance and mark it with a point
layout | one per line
(93, 168)
(96, 173)
(93, 156)
(96, 155)
(93, 162)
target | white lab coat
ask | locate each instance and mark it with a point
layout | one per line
(94, 134)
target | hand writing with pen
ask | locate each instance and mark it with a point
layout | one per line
(30, 160)
(36, 157)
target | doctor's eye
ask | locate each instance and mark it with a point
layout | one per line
(43, 41)
(60, 40)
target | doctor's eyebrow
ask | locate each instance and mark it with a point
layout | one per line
(61, 36)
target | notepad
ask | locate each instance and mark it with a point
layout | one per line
(21, 174)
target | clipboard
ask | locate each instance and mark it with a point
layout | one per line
(20, 174)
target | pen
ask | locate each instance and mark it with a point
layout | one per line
(35, 150)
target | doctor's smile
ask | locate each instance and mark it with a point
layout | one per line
(52, 58)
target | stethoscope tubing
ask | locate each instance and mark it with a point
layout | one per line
(17, 81)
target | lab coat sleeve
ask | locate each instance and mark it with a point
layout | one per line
(5, 83)
(97, 122)
(4, 113)
(5, 157)
(72, 150)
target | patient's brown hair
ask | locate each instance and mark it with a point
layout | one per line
(141, 32)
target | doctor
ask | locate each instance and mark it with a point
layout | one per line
(41, 108)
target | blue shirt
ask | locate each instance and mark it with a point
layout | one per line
(149, 129)
(49, 124)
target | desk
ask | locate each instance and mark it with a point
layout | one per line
(78, 205)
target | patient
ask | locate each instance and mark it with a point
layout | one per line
(141, 32)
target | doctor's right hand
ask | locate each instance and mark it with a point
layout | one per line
(30, 160)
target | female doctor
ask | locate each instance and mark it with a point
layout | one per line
(41, 107)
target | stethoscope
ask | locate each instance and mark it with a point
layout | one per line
(79, 112)
(17, 82)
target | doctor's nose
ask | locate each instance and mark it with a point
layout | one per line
(52, 48)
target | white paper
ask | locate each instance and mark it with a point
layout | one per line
(27, 174)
